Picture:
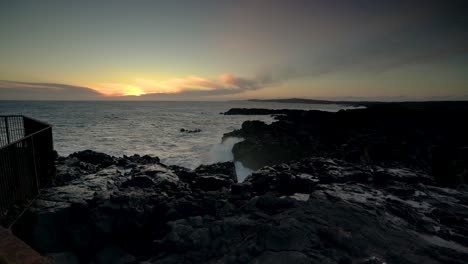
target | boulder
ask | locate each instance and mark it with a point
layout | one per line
(95, 158)
(183, 130)
(224, 168)
(212, 182)
(132, 161)
(139, 181)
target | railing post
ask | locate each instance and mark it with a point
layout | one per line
(7, 130)
(25, 161)
(34, 163)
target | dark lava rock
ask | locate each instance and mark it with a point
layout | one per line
(212, 182)
(285, 257)
(241, 188)
(139, 181)
(224, 168)
(93, 157)
(248, 127)
(450, 165)
(72, 168)
(258, 111)
(315, 210)
(183, 130)
(128, 161)
(184, 174)
(423, 136)
(115, 255)
(271, 203)
(303, 176)
(214, 176)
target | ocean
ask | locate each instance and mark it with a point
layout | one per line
(125, 128)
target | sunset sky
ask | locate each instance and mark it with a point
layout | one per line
(220, 50)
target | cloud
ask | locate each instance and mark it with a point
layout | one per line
(367, 37)
(382, 56)
(116, 89)
(192, 86)
(406, 34)
(11, 90)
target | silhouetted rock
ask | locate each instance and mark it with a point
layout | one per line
(423, 136)
(258, 111)
(450, 164)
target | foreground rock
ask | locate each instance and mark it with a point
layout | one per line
(316, 210)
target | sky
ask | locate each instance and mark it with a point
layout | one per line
(228, 50)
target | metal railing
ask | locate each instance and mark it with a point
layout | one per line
(26, 159)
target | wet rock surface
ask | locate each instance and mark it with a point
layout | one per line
(315, 210)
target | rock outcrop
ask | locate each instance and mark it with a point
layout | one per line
(259, 111)
(183, 130)
(425, 136)
(314, 210)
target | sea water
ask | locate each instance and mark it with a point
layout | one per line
(125, 128)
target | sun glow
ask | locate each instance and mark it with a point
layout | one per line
(187, 84)
(133, 91)
(113, 89)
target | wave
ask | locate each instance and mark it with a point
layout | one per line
(222, 152)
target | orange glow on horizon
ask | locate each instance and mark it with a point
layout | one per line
(227, 78)
(112, 89)
(134, 91)
(171, 86)
(146, 86)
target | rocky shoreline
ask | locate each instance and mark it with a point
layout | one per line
(308, 202)
(431, 137)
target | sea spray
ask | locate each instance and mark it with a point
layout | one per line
(241, 171)
(222, 152)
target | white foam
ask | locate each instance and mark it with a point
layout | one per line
(221, 152)
(241, 171)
